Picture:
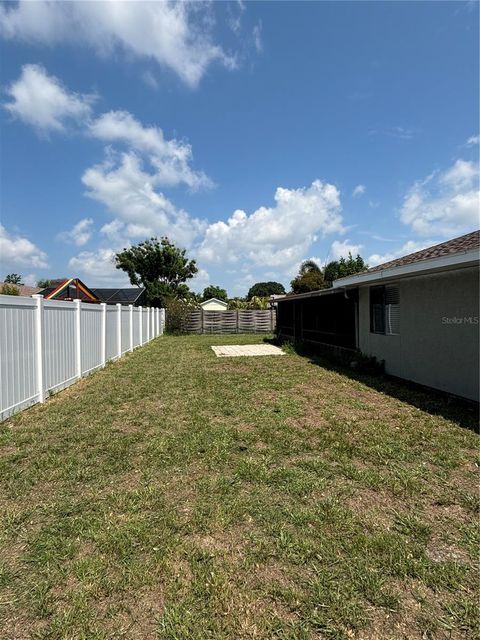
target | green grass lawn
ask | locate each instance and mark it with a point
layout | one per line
(175, 495)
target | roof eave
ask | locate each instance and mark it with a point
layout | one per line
(214, 300)
(422, 267)
(310, 294)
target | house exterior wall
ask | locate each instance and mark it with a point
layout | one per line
(438, 343)
(213, 305)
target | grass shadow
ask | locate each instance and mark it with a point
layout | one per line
(461, 411)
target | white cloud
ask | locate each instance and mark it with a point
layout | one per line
(342, 249)
(359, 190)
(98, 267)
(257, 37)
(462, 175)
(15, 250)
(79, 234)
(235, 15)
(42, 101)
(177, 35)
(277, 236)
(200, 280)
(150, 80)
(473, 140)
(130, 194)
(170, 158)
(403, 133)
(409, 247)
(445, 203)
(30, 279)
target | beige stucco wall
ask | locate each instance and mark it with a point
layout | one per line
(438, 343)
(213, 305)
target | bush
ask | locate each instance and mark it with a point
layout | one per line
(10, 290)
(237, 304)
(177, 313)
(367, 364)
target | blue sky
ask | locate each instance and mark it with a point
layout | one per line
(253, 134)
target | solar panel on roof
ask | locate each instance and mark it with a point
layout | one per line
(113, 296)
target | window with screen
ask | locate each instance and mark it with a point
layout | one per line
(385, 310)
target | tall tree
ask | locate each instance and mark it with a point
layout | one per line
(213, 291)
(309, 266)
(309, 278)
(265, 289)
(13, 278)
(159, 266)
(344, 267)
(43, 283)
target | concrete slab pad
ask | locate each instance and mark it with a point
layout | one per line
(235, 350)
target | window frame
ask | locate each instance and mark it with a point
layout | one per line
(378, 301)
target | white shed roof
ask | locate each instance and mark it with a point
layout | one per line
(222, 302)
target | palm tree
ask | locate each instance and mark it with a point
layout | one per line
(309, 266)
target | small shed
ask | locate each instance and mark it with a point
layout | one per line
(214, 304)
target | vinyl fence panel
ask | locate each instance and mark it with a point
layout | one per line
(91, 337)
(145, 326)
(46, 345)
(111, 332)
(18, 362)
(59, 355)
(136, 326)
(125, 328)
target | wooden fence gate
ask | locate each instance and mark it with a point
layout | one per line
(241, 321)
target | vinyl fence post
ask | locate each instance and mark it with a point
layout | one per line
(140, 325)
(130, 316)
(237, 321)
(119, 329)
(203, 321)
(78, 337)
(162, 321)
(157, 313)
(148, 324)
(271, 319)
(103, 342)
(39, 346)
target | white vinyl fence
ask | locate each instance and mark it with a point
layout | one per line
(46, 345)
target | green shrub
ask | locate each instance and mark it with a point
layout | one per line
(367, 364)
(177, 312)
(10, 290)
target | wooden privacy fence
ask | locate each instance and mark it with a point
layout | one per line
(46, 345)
(241, 321)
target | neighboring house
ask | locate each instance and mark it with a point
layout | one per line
(129, 295)
(419, 314)
(214, 304)
(69, 289)
(23, 290)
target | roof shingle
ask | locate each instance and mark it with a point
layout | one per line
(23, 290)
(468, 242)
